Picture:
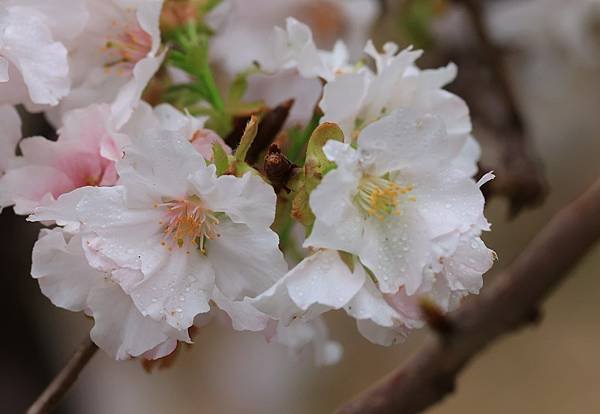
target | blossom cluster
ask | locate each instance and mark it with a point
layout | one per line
(155, 218)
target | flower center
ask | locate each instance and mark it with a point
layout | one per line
(379, 197)
(188, 224)
(127, 48)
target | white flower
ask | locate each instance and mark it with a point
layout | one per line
(249, 25)
(66, 278)
(84, 154)
(172, 231)
(115, 56)
(33, 64)
(294, 48)
(389, 200)
(323, 282)
(354, 100)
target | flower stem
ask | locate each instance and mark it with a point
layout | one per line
(56, 390)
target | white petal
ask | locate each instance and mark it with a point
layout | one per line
(161, 350)
(447, 201)
(148, 15)
(319, 283)
(28, 43)
(342, 101)
(369, 303)
(464, 269)
(176, 291)
(247, 261)
(406, 140)
(324, 279)
(396, 250)
(63, 211)
(120, 329)
(62, 271)
(156, 166)
(381, 335)
(244, 316)
(339, 224)
(247, 200)
(468, 157)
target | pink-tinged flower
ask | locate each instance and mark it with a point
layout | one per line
(84, 155)
(174, 235)
(33, 64)
(115, 57)
(66, 278)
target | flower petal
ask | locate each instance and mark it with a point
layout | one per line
(248, 200)
(247, 261)
(339, 224)
(396, 250)
(406, 140)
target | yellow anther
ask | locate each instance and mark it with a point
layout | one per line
(379, 197)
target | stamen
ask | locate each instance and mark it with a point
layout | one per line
(379, 197)
(187, 223)
(127, 48)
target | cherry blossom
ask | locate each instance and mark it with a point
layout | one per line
(84, 154)
(115, 56)
(394, 196)
(33, 63)
(67, 279)
(172, 231)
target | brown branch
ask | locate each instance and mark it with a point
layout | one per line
(59, 386)
(511, 302)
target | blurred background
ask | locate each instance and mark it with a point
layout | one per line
(552, 54)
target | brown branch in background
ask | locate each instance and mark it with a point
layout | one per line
(511, 302)
(56, 390)
(519, 172)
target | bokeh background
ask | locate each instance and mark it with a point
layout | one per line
(553, 52)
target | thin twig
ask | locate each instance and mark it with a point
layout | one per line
(511, 302)
(56, 390)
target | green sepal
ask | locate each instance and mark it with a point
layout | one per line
(315, 167)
